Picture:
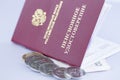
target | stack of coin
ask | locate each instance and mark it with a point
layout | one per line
(40, 63)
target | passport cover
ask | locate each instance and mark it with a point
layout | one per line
(60, 29)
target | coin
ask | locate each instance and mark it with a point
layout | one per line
(47, 68)
(38, 63)
(31, 59)
(74, 72)
(34, 61)
(31, 54)
(34, 67)
(59, 73)
(36, 56)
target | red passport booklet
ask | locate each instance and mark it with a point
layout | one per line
(60, 29)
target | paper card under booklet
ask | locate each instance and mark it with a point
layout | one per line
(60, 29)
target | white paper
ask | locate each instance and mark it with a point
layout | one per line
(99, 66)
(98, 50)
(93, 50)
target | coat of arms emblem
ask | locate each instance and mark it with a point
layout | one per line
(38, 18)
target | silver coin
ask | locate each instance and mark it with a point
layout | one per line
(47, 68)
(37, 63)
(74, 72)
(59, 73)
(34, 67)
(31, 58)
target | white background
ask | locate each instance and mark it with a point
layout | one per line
(13, 68)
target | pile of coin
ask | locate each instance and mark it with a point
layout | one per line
(40, 63)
